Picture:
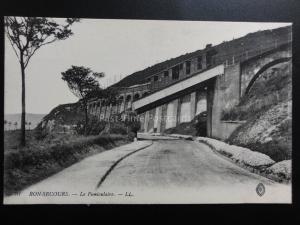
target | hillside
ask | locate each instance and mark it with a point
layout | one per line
(33, 118)
(63, 115)
(224, 50)
(268, 112)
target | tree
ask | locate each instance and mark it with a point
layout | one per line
(5, 122)
(9, 124)
(29, 124)
(27, 35)
(16, 125)
(83, 84)
(132, 122)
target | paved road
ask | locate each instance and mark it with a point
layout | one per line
(187, 171)
(168, 171)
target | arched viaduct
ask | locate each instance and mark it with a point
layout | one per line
(209, 80)
(212, 90)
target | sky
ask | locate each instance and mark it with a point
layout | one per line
(115, 47)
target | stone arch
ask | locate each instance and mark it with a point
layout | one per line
(145, 93)
(136, 96)
(263, 69)
(128, 98)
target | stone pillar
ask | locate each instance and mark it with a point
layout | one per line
(98, 109)
(118, 106)
(109, 108)
(159, 118)
(123, 105)
(209, 98)
(163, 117)
(146, 121)
(176, 112)
(193, 105)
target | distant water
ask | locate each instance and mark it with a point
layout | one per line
(34, 119)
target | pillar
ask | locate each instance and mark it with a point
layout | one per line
(123, 105)
(163, 117)
(159, 118)
(176, 112)
(193, 105)
(146, 121)
(99, 109)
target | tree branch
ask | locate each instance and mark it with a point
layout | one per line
(12, 45)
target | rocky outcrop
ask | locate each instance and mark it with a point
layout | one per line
(281, 169)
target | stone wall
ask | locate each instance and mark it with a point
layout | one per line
(226, 128)
(225, 94)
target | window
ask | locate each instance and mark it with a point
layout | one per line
(188, 67)
(175, 72)
(166, 74)
(199, 62)
(155, 78)
(180, 66)
(149, 79)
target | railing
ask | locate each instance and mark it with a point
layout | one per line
(230, 59)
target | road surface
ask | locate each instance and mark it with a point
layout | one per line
(166, 171)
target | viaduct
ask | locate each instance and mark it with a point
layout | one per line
(209, 80)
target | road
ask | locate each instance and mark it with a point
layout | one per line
(167, 171)
(190, 172)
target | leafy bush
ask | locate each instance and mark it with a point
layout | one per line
(118, 128)
(29, 165)
(40, 133)
(200, 124)
(94, 127)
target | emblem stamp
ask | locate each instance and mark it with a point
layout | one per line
(260, 189)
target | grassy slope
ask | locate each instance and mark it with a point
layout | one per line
(267, 110)
(40, 159)
(67, 114)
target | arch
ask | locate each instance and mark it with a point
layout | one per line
(136, 96)
(145, 93)
(263, 69)
(128, 98)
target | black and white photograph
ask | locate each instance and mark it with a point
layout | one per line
(133, 111)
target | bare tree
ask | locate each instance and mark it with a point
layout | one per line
(27, 35)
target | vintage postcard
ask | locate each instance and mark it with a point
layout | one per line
(115, 111)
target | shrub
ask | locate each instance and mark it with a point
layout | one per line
(200, 124)
(94, 127)
(40, 133)
(29, 165)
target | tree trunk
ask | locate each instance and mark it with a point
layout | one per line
(23, 140)
(86, 118)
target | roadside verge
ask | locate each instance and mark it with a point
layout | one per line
(255, 162)
(82, 177)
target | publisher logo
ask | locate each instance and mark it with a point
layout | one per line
(260, 189)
